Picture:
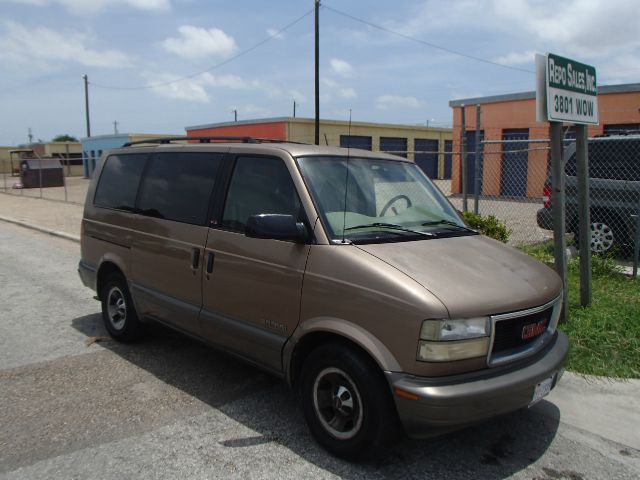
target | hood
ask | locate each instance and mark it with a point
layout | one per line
(472, 275)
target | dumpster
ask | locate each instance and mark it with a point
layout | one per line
(45, 172)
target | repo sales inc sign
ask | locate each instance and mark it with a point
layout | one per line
(572, 92)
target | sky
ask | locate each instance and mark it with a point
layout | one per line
(158, 66)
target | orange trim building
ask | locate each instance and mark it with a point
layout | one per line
(522, 172)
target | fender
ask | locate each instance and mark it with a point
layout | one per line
(343, 328)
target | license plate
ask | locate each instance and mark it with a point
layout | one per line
(542, 390)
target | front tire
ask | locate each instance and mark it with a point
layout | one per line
(347, 403)
(118, 312)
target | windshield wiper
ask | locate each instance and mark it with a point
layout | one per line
(443, 221)
(392, 226)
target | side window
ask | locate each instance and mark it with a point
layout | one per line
(177, 186)
(118, 183)
(259, 185)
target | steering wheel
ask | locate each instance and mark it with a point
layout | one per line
(394, 200)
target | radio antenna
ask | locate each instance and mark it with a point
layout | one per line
(346, 182)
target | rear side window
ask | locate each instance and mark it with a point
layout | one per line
(119, 181)
(613, 159)
(178, 186)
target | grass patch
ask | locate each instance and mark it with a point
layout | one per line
(605, 337)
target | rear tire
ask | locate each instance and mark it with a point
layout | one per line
(604, 235)
(347, 403)
(118, 312)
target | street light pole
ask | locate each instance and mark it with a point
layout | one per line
(86, 103)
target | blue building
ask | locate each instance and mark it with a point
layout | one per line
(94, 147)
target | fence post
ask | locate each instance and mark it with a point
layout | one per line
(636, 244)
(582, 170)
(463, 158)
(40, 173)
(476, 180)
(559, 220)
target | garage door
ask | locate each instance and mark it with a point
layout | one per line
(426, 156)
(355, 141)
(514, 163)
(448, 158)
(471, 161)
(394, 145)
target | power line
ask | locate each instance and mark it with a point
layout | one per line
(423, 42)
(213, 67)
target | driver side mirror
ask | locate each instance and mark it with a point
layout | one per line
(276, 226)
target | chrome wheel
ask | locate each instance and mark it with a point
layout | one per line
(337, 403)
(116, 308)
(602, 237)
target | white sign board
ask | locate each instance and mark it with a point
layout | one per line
(571, 92)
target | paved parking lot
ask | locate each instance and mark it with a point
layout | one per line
(77, 405)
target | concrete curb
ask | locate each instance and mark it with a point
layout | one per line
(55, 233)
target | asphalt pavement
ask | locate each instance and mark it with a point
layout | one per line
(77, 405)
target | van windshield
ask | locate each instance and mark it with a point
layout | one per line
(366, 200)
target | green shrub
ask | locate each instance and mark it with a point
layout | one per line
(488, 225)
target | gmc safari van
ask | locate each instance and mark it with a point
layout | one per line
(347, 273)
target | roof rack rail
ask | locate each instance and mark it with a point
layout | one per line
(209, 139)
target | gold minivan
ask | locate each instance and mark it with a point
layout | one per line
(347, 273)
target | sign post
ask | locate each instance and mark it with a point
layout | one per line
(566, 91)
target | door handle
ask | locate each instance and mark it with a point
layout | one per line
(210, 258)
(195, 258)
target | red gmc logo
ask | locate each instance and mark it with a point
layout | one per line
(533, 329)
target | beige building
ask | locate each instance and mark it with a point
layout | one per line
(430, 147)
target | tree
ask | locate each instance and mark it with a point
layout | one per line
(64, 138)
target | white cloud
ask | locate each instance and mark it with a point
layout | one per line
(275, 33)
(196, 43)
(45, 48)
(197, 89)
(336, 90)
(517, 58)
(89, 7)
(191, 90)
(386, 102)
(341, 67)
(348, 93)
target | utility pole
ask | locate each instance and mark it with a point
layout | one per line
(235, 115)
(294, 109)
(30, 136)
(317, 72)
(86, 103)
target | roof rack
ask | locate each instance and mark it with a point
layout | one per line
(167, 140)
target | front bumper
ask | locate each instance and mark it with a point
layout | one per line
(445, 404)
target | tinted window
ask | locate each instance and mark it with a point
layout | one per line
(177, 186)
(119, 180)
(614, 159)
(259, 185)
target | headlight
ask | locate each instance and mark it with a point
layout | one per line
(445, 330)
(450, 340)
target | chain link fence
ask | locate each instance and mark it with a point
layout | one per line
(510, 180)
(47, 178)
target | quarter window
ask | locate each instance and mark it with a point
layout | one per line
(178, 186)
(259, 185)
(119, 181)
